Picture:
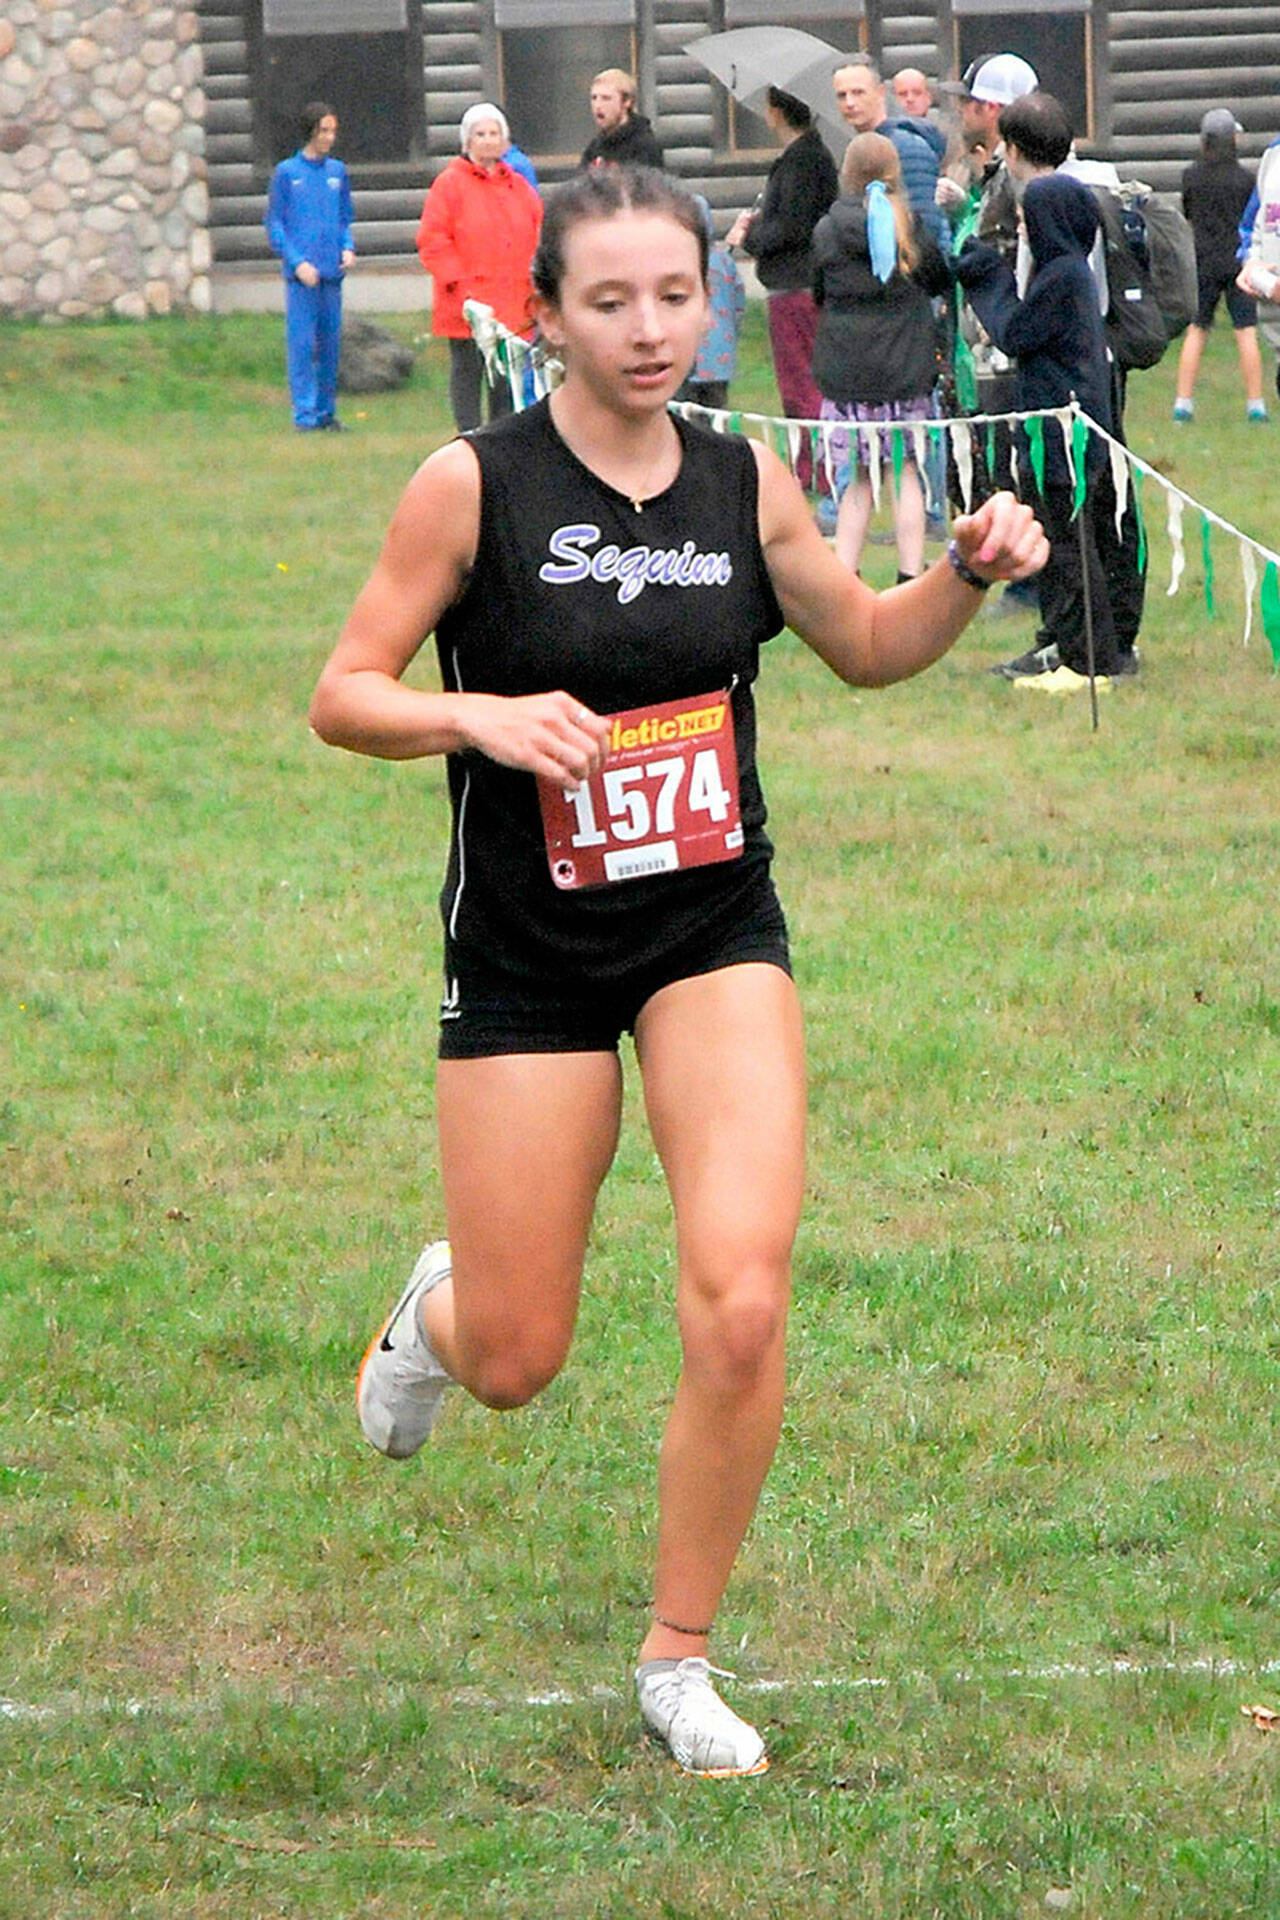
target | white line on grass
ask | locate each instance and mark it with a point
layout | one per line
(73, 1706)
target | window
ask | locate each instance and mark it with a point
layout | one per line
(363, 56)
(1056, 38)
(840, 23)
(549, 53)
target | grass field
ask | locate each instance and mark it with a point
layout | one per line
(1017, 1567)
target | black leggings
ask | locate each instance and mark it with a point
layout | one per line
(1073, 550)
(466, 377)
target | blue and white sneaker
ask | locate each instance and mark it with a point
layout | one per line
(1184, 409)
(682, 1709)
(401, 1383)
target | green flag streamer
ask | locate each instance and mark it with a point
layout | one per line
(899, 455)
(1135, 475)
(1035, 441)
(1079, 447)
(735, 423)
(1269, 600)
(1206, 550)
(991, 450)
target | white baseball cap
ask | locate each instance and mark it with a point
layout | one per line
(1003, 78)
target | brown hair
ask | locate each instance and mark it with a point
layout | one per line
(868, 157)
(600, 194)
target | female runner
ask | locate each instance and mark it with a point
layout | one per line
(599, 577)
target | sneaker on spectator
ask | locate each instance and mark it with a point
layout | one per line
(1256, 413)
(1184, 409)
(1038, 660)
(1062, 680)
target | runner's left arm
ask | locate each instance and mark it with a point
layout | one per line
(874, 639)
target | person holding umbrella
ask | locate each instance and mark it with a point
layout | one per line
(778, 234)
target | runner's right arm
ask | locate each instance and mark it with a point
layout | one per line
(360, 701)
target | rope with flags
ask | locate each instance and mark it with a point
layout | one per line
(532, 371)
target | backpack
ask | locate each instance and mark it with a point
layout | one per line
(1171, 254)
(1137, 331)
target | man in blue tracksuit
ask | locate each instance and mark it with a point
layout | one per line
(309, 225)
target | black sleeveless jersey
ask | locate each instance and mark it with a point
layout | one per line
(573, 588)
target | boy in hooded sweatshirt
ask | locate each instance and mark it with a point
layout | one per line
(1055, 335)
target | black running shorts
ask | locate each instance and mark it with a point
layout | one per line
(490, 1010)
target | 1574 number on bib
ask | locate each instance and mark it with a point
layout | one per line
(665, 798)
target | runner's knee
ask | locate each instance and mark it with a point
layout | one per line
(504, 1375)
(730, 1329)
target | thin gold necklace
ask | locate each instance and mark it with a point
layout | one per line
(638, 500)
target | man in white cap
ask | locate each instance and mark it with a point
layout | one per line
(981, 94)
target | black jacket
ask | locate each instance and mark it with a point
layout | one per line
(630, 145)
(1055, 332)
(802, 184)
(1215, 193)
(876, 342)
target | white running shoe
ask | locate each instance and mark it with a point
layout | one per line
(683, 1709)
(401, 1383)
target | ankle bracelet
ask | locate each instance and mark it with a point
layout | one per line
(673, 1626)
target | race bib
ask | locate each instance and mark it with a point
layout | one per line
(665, 798)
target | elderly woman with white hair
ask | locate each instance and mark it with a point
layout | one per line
(476, 238)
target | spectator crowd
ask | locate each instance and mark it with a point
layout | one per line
(961, 259)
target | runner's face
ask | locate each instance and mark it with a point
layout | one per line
(632, 309)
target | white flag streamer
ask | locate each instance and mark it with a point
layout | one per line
(1064, 421)
(1249, 568)
(1119, 480)
(794, 438)
(1178, 557)
(829, 460)
(719, 420)
(962, 453)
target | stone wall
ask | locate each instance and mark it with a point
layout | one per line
(104, 205)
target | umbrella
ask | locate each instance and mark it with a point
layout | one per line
(750, 60)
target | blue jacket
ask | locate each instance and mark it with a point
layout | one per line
(519, 162)
(1248, 217)
(920, 147)
(1054, 332)
(309, 215)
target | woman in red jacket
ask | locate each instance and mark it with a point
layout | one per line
(476, 238)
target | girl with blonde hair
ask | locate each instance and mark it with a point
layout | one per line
(875, 357)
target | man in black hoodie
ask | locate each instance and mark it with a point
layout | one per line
(1055, 336)
(623, 137)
